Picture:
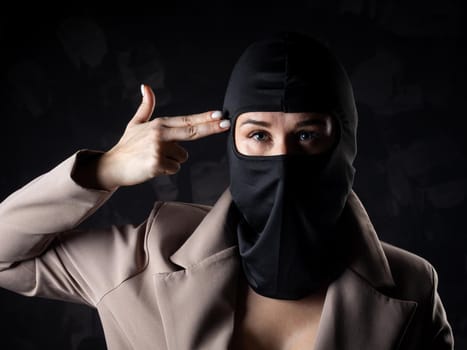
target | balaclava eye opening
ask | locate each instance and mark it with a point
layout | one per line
(289, 205)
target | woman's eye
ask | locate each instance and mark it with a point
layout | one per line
(259, 136)
(307, 135)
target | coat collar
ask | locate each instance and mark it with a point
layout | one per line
(213, 235)
(357, 316)
(198, 302)
(370, 261)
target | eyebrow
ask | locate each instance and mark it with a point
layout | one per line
(255, 122)
(298, 125)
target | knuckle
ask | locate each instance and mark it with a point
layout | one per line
(186, 120)
(156, 123)
(191, 131)
(158, 133)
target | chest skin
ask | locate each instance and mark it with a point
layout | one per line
(274, 324)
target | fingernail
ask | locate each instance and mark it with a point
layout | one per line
(224, 124)
(142, 89)
(216, 115)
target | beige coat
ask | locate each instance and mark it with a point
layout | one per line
(171, 282)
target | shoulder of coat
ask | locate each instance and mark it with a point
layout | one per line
(413, 274)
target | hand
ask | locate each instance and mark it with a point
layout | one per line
(149, 148)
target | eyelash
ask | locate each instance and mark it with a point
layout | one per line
(313, 134)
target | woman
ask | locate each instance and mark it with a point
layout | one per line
(286, 259)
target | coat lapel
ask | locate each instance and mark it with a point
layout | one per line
(198, 302)
(197, 305)
(355, 314)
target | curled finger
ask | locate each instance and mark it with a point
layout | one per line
(169, 166)
(176, 152)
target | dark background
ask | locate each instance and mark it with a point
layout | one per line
(72, 81)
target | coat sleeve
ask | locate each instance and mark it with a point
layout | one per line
(43, 254)
(442, 336)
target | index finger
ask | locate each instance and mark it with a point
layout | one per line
(193, 132)
(190, 120)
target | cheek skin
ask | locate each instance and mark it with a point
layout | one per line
(244, 144)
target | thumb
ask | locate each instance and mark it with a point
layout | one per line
(146, 107)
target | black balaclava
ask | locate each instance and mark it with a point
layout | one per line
(289, 205)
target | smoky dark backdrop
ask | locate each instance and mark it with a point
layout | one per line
(72, 81)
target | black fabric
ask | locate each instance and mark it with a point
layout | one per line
(290, 205)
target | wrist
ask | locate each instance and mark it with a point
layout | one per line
(105, 173)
